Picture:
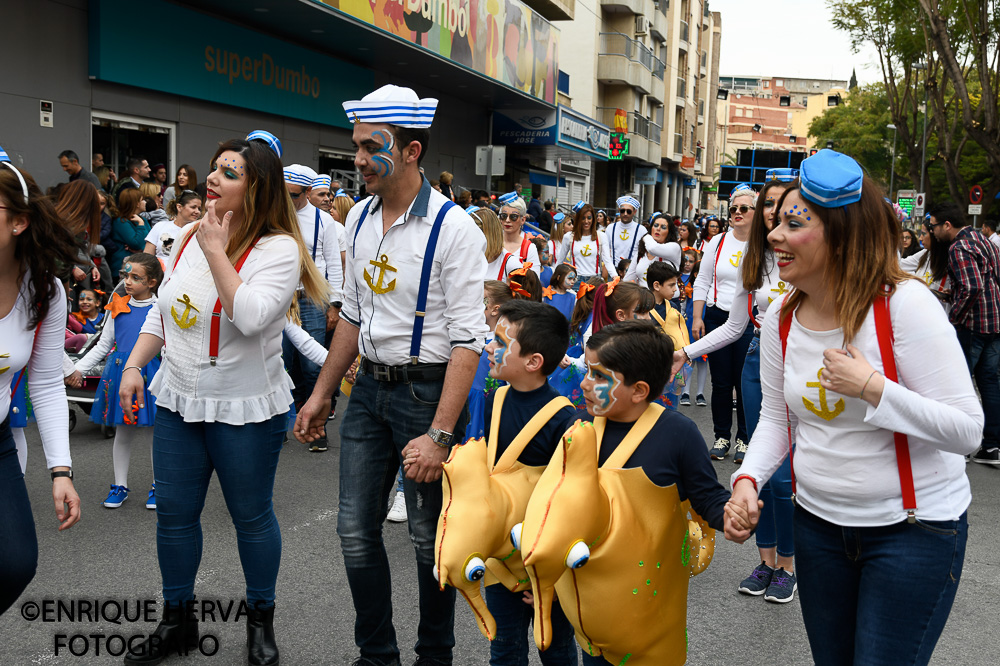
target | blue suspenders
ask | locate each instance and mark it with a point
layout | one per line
(634, 236)
(316, 235)
(425, 275)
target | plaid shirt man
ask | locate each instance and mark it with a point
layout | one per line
(974, 269)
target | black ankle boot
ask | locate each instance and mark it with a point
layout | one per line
(261, 647)
(176, 634)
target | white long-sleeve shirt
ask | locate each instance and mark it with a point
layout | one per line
(845, 458)
(304, 342)
(582, 254)
(669, 252)
(716, 283)
(326, 253)
(99, 351)
(248, 384)
(500, 268)
(622, 242)
(383, 277)
(42, 353)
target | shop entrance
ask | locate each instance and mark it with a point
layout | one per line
(118, 137)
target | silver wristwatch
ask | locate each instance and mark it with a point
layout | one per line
(440, 437)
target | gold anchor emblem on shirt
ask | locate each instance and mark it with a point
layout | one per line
(779, 290)
(624, 234)
(824, 411)
(585, 252)
(184, 321)
(5, 368)
(382, 265)
(735, 259)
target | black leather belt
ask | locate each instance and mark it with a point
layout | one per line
(423, 372)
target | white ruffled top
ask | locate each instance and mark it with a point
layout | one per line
(248, 384)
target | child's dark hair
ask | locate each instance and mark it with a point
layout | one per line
(524, 284)
(622, 267)
(639, 350)
(559, 274)
(542, 329)
(150, 203)
(660, 271)
(154, 271)
(584, 304)
(647, 301)
(624, 296)
(541, 245)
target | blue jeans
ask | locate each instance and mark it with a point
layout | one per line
(245, 458)
(513, 616)
(877, 595)
(18, 542)
(774, 529)
(726, 365)
(381, 419)
(982, 353)
(303, 371)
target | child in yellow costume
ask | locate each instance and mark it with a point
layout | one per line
(661, 277)
(613, 526)
(486, 484)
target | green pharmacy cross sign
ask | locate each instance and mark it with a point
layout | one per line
(618, 148)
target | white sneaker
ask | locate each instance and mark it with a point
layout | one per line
(397, 513)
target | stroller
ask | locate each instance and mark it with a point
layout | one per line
(83, 397)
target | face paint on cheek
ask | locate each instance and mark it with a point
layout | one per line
(605, 385)
(382, 161)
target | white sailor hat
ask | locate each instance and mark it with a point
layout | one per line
(3, 155)
(322, 181)
(830, 179)
(266, 137)
(578, 205)
(782, 175)
(559, 217)
(628, 200)
(741, 188)
(506, 199)
(472, 209)
(393, 105)
(341, 193)
(298, 174)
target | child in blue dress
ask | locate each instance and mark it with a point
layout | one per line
(566, 378)
(545, 258)
(495, 294)
(561, 294)
(89, 315)
(142, 274)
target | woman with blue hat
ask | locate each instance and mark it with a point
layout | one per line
(512, 217)
(582, 247)
(859, 360)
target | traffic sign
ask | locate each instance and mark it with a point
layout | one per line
(975, 209)
(918, 205)
(975, 196)
(904, 198)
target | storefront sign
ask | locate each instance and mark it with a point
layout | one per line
(618, 147)
(505, 40)
(225, 63)
(524, 128)
(645, 175)
(582, 133)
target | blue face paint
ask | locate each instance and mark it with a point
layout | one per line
(605, 383)
(503, 341)
(382, 161)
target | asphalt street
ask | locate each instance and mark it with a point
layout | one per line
(111, 555)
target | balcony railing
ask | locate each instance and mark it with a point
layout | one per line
(638, 125)
(678, 143)
(616, 43)
(681, 88)
(684, 31)
(654, 132)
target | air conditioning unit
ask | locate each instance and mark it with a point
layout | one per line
(641, 25)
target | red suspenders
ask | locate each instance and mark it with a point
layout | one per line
(503, 266)
(883, 331)
(525, 244)
(715, 270)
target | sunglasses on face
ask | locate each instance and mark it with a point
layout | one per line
(295, 195)
(625, 211)
(743, 208)
(514, 217)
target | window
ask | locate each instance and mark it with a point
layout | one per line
(739, 112)
(767, 84)
(780, 83)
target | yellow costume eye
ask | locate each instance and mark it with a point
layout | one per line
(515, 536)
(578, 555)
(475, 569)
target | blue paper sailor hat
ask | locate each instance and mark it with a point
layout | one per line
(394, 105)
(341, 193)
(321, 181)
(782, 175)
(5, 160)
(578, 205)
(743, 188)
(559, 217)
(506, 199)
(3, 155)
(830, 179)
(266, 137)
(472, 209)
(628, 200)
(298, 174)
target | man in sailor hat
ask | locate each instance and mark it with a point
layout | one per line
(623, 234)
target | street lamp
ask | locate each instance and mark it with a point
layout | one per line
(922, 66)
(892, 170)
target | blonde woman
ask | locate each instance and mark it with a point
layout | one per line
(513, 214)
(501, 262)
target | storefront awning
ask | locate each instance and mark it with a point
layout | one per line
(544, 177)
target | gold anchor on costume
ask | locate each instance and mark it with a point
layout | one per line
(357, 121)
(780, 290)
(624, 234)
(5, 368)
(736, 257)
(184, 321)
(824, 411)
(585, 252)
(382, 265)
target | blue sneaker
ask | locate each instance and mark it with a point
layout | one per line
(757, 582)
(782, 587)
(116, 497)
(151, 500)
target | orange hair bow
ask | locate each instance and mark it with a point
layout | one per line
(516, 288)
(523, 270)
(611, 286)
(584, 288)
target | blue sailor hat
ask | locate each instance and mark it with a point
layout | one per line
(266, 137)
(3, 155)
(341, 193)
(830, 179)
(321, 181)
(782, 175)
(559, 217)
(298, 174)
(505, 199)
(578, 205)
(5, 160)
(628, 200)
(471, 209)
(741, 187)
(394, 105)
